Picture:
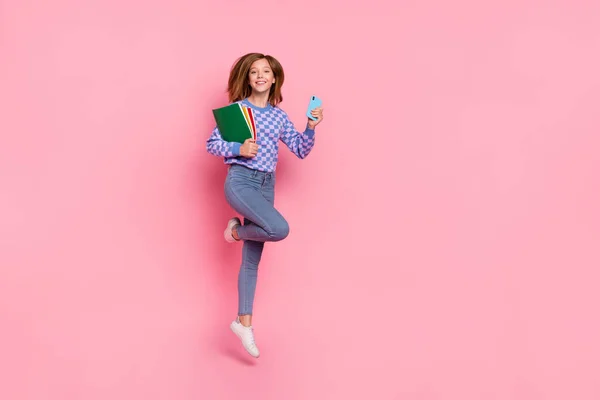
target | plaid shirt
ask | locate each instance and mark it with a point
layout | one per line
(272, 125)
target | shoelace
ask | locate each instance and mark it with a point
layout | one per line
(252, 342)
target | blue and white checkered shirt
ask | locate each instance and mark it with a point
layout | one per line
(272, 125)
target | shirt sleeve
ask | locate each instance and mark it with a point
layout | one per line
(299, 143)
(216, 146)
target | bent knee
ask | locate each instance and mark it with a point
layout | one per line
(279, 231)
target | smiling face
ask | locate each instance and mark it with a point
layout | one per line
(260, 76)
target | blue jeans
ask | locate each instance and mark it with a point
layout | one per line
(252, 194)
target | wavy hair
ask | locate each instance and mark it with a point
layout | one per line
(238, 87)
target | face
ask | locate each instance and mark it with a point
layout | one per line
(261, 76)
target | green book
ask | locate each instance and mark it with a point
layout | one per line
(232, 123)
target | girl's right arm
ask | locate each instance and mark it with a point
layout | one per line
(216, 146)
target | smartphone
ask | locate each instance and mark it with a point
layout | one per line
(312, 104)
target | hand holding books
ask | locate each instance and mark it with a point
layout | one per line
(249, 149)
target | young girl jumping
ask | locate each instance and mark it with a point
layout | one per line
(255, 81)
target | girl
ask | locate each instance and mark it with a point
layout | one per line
(255, 81)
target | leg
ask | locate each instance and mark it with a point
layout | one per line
(251, 255)
(253, 198)
(250, 200)
(247, 276)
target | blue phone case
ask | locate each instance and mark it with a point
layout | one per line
(314, 103)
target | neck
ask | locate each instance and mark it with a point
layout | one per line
(259, 99)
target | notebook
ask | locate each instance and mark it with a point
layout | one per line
(235, 123)
(248, 113)
(252, 123)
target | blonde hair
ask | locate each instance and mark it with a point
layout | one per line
(238, 87)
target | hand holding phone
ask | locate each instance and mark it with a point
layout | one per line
(312, 104)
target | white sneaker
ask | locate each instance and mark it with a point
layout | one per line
(233, 222)
(246, 335)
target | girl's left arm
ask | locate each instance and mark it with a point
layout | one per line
(299, 143)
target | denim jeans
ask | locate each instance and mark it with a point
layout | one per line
(252, 194)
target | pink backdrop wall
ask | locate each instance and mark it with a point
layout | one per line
(445, 230)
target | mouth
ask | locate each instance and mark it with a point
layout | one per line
(261, 82)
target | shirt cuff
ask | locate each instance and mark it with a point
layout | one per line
(309, 132)
(235, 149)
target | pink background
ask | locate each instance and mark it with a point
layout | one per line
(445, 238)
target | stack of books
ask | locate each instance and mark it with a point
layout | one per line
(235, 122)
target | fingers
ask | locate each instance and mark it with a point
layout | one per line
(317, 113)
(252, 147)
(249, 148)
